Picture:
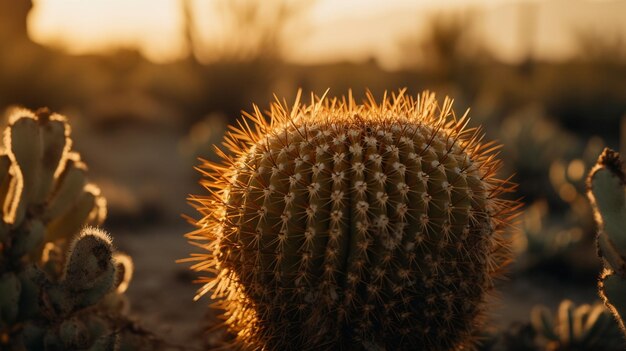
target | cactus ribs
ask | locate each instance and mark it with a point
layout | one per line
(338, 225)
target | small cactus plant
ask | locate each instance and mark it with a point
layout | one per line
(337, 225)
(66, 318)
(584, 327)
(58, 278)
(607, 193)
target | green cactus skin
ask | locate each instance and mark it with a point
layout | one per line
(54, 312)
(89, 273)
(85, 330)
(10, 290)
(58, 276)
(607, 194)
(90, 261)
(344, 226)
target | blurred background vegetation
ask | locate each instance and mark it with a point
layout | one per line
(150, 87)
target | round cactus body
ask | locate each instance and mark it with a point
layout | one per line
(344, 226)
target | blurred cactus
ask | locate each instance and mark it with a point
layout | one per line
(57, 286)
(549, 244)
(557, 228)
(608, 198)
(345, 226)
(584, 327)
(531, 148)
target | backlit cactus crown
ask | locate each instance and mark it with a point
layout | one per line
(43, 181)
(337, 225)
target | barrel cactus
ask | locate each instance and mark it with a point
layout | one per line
(337, 225)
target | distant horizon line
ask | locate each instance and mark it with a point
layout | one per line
(327, 37)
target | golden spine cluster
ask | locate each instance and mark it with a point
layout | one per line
(337, 225)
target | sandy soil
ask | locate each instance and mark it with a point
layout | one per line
(162, 292)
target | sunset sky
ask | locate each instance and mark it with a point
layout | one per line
(332, 30)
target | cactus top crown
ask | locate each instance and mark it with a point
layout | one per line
(343, 225)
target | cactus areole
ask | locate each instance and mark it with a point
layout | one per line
(337, 225)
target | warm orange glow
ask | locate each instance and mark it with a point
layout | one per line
(152, 26)
(576, 170)
(274, 271)
(330, 30)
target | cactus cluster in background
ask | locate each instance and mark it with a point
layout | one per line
(583, 327)
(557, 228)
(339, 225)
(607, 193)
(60, 281)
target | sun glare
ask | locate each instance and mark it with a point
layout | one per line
(153, 27)
(327, 31)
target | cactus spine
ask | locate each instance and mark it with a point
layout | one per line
(607, 193)
(55, 283)
(337, 225)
